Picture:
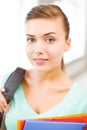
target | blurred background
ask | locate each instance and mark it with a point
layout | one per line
(12, 36)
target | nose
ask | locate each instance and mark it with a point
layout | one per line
(39, 47)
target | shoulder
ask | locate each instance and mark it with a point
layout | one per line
(79, 90)
(80, 87)
(82, 96)
(19, 73)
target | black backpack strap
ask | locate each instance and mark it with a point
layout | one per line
(11, 85)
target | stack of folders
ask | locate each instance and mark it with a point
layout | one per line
(72, 122)
(49, 125)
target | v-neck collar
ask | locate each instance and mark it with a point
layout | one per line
(58, 106)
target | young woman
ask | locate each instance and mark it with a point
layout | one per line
(45, 90)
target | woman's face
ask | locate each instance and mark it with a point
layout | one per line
(46, 43)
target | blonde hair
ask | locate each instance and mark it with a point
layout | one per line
(50, 11)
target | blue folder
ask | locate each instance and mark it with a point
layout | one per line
(49, 125)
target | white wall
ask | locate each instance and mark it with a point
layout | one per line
(9, 34)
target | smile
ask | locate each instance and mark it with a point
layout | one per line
(40, 61)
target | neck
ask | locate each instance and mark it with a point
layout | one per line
(51, 75)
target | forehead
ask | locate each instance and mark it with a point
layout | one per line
(44, 25)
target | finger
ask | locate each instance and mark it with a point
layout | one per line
(3, 106)
(4, 109)
(3, 100)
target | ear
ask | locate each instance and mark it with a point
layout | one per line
(67, 45)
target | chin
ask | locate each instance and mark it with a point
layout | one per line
(41, 69)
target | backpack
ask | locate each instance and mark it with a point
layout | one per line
(11, 85)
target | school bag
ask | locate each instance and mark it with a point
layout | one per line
(11, 85)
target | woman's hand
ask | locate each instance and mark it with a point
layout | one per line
(3, 102)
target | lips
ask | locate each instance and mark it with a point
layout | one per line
(40, 60)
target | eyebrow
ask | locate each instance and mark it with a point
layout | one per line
(30, 35)
(44, 34)
(49, 33)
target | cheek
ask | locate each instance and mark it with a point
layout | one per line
(28, 51)
(56, 55)
(57, 51)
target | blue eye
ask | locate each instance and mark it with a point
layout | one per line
(31, 40)
(50, 40)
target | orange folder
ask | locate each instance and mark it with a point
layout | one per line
(80, 118)
(69, 118)
(20, 124)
